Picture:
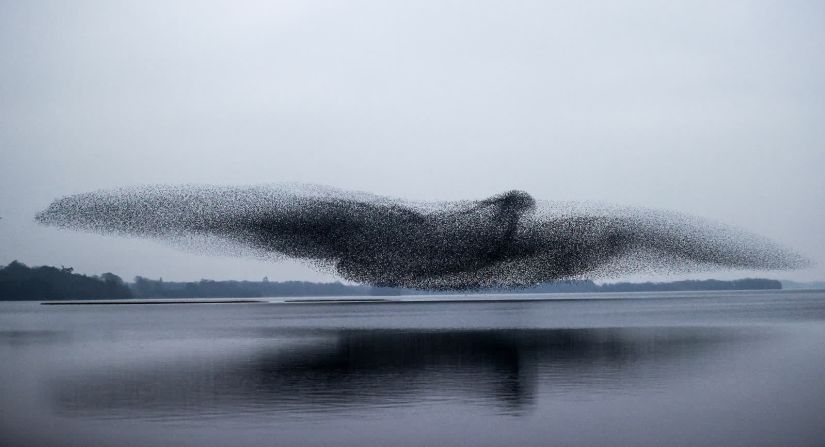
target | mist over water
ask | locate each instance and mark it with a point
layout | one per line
(710, 368)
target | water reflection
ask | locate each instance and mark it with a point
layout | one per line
(364, 370)
(30, 337)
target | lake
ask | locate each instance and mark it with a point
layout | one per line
(644, 369)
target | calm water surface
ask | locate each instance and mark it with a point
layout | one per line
(731, 369)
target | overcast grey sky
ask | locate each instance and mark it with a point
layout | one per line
(705, 107)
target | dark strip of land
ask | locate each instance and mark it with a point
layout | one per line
(19, 282)
(83, 303)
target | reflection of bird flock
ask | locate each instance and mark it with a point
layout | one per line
(505, 240)
(342, 370)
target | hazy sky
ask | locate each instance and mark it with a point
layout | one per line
(706, 107)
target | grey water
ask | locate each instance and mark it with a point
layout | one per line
(647, 369)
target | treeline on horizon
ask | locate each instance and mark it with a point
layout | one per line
(21, 282)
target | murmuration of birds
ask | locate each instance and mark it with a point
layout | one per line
(504, 241)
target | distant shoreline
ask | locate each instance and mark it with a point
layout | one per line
(136, 302)
(438, 299)
(19, 282)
